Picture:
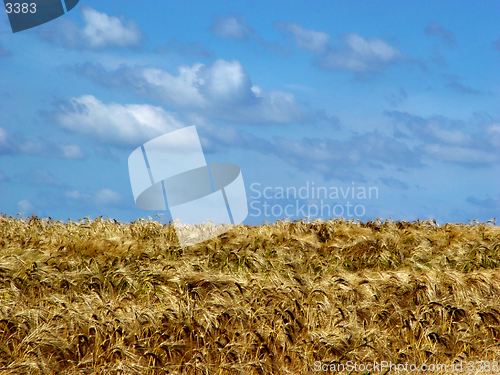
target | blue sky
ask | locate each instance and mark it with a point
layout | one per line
(398, 96)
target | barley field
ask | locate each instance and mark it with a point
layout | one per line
(104, 297)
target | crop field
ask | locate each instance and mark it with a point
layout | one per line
(103, 297)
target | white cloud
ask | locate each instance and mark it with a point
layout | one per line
(371, 49)
(354, 53)
(200, 86)
(102, 30)
(105, 197)
(360, 55)
(233, 27)
(225, 82)
(222, 91)
(73, 194)
(25, 207)
(72, 152)
(435, 129)
(99, 31)
(340, 159)
(31, 147)
(40, 147)
(459, 154)
(455, 137)
(47, 148)
(179, 91)
(447, 140)
(3, 137)
(493, 132)
(122, 125)
(311, 40)
(102, 197)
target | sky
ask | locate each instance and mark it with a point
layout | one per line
(354, 109)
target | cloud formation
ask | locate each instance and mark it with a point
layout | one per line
(352, 53)
(448, 140)
(220, 138)
(99, 31)
(357, 54)
(25, 207)
(331, 158)
(310, 40)
(460, 154)
(115, 124)
(102, 197)
(132, 125)
(414, 140)
(493, 134)
(435, 29)
(42, 147)
(221, 91)
(233, 27)
(341, 159)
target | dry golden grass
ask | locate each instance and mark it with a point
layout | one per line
(101, 297)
